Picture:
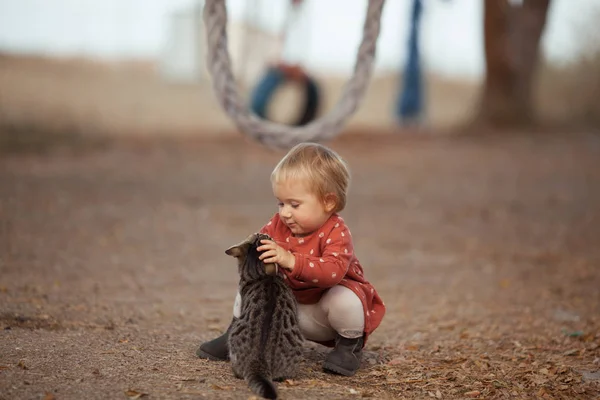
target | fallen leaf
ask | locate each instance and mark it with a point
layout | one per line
(571, 352)
(473, 393)
(134, 394)
(539, 379)
(217, 387)
(49, 396)
(579, 390)
(447, 325)
(563, 369)
(396, 361)
(195, 392)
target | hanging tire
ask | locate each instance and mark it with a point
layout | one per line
(278, 75)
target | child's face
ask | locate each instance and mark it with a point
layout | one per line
(301, 209)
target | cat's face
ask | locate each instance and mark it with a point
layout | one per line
(249, 266)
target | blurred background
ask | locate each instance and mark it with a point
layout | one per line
(138, 68)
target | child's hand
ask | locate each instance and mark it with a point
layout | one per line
(271, 252)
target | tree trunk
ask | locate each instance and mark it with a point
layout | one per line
(512, 36)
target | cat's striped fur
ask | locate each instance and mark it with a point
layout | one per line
(265, 343)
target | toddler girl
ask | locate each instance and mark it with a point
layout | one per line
(337, 306)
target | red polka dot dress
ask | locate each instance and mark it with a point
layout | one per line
(324, 259)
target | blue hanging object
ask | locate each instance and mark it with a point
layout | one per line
(278, 75)
(409, 106)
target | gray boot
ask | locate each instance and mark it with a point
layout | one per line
(216, 349)
(345, 358)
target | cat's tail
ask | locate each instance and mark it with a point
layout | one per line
(260, 384)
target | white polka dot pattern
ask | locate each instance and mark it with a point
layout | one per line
(322, 256)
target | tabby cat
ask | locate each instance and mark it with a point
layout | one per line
(265, 343)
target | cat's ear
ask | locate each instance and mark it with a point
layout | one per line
(271, 269)
(235, 251)
(241, 249)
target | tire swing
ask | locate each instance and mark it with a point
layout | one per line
(273, 79)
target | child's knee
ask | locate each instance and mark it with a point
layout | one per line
(342, 301)
(345, 312)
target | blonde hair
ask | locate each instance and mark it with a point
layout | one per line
(324, 170)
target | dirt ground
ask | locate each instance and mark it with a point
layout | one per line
(486, 251)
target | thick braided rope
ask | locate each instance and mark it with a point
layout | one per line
(275, 134)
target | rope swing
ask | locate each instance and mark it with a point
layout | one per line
(271, 133)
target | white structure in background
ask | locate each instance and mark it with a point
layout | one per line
(183, 57)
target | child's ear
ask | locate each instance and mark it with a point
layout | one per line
(330, 202)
